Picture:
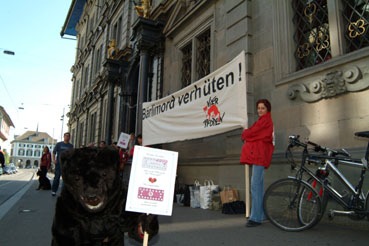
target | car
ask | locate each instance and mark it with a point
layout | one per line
(7, 170)
(13, 167)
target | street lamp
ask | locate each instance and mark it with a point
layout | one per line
(8, 52)
(62, 120)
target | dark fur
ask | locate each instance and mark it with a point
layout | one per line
(91, 177)
(43, 181)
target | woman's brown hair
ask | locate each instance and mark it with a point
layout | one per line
(266, 103)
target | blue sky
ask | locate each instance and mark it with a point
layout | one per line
(38, 76)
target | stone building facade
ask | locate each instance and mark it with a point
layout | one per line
(5, 124)
(27, 148)
(309, 58)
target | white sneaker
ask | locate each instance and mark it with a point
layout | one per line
(53, 193)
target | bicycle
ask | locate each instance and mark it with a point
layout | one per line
(298, 202)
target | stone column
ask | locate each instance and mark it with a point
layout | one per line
(147, 37)
(112, 75)
(142, 87)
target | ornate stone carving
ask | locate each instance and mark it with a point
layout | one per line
(144, 9)
(112, 49)
(333, 84)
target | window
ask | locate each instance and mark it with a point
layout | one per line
(37, 153)
(78, 89)
(327, 28)
(312, 32)
(155, 79)
(356, 18)
(103, 118)
(117, 31)
(80, 134)
(203, 55)
(98, 56)
(196, 58)
(86, 77)
(29, 152)
(21, 152)
(186, 65)
(92, 128)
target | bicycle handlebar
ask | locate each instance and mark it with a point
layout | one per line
(295, 141)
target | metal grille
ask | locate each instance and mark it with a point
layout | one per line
(356, 19)
(203, 55)
(312, 32)
(186, 65)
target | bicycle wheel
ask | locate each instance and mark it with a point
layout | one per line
(367, 205)
(320, 190)
(283, 207)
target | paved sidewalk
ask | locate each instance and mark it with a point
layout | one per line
(29, 223)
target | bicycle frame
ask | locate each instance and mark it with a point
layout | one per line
(357, 201)
(339, 197)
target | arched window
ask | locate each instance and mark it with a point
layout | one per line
(21, 152)
(37, 153)
(29, 152)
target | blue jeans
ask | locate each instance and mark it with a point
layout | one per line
(56, 181)
(257, 193)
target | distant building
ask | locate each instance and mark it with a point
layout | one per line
(5, 124)
(27, 148)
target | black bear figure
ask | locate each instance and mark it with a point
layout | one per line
(90, 209)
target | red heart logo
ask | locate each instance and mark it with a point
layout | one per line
(152, 180)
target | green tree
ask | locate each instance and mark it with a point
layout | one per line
(6, 156)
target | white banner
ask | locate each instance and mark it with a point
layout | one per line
(214, 104)
(152, 180)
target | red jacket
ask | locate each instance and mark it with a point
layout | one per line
(258, 144)
(46, 160)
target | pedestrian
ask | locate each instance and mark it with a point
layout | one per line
(257, 150)
(131, 142)
(123, 156)
(59, 148)
(114, 145)
(102, 144)
(2, 158)
(45, 161)
(128, 161)
(137, 142)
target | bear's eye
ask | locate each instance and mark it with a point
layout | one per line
(104, 174)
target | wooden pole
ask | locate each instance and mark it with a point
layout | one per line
(247, 195)
(146, 239)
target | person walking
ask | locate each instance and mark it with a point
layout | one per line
(102, 144)
(131, 142)
(257, 151)
(2, 158)
(129, 160)
(45, 161)
(137, 142)
(59, 148)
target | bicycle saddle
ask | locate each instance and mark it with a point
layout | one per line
(362, 134)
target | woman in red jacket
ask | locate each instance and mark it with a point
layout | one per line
(45, 161)
(257, 151)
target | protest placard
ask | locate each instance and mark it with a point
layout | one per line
(123, 140)
(152, 180)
